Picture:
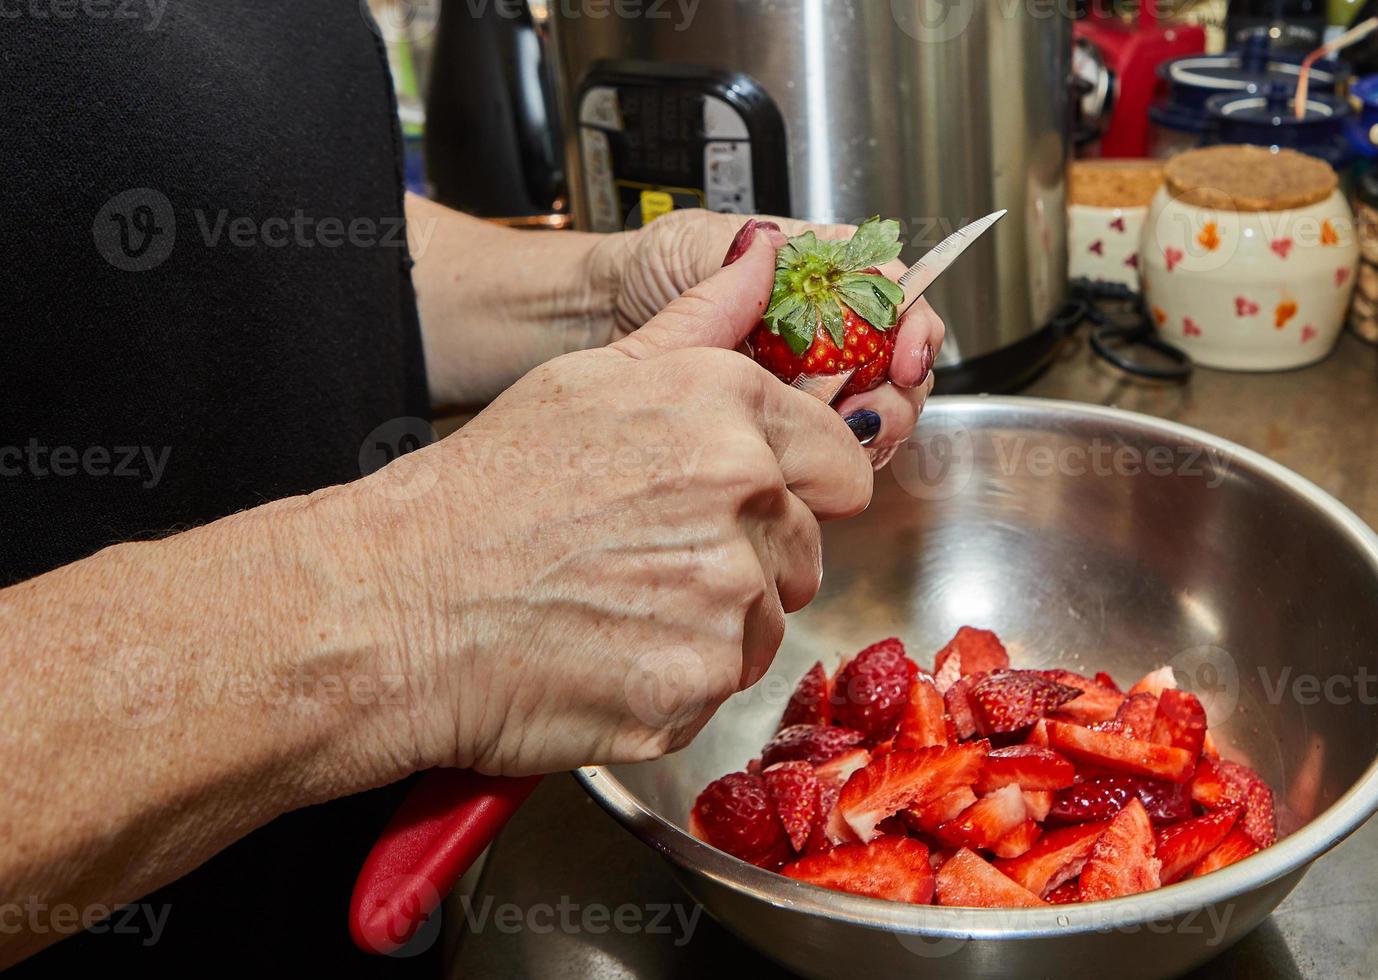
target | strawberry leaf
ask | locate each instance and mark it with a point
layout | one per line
(793, 317)
(834, 321)
(875, 243)
(872, 298)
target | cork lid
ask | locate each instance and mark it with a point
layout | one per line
(1249, 178)
(1113, 183)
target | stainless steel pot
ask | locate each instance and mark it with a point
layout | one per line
(1094, 539)
(929, 111)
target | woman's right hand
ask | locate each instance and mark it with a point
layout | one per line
(607, 552)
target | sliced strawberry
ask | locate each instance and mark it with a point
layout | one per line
(1183, 846)
(793, 790)
(1033, 768)
(971, 651)
(1038, 734)
(869, 693)
(966, 879)
(1056, 858)
(814, 744)
(1101, 797)
(905, 779)
(1220, 784)
(1235, 847)
(895, 868)
(819, 841)
(924, 720)
(735, 815)
(1136, 716)
(1067, 893)
(959, 706)
(1155, 682)
(985, 822)
(1039, 802)
(1179, 721)
(1019, 840)
(929, 817)
(1208, 746)
(1122, 860)
(1115, 752)
(836, 771)
(809, 705)
(1013, 699)
(1165, 802)
(1105, 680)
(1095, 703)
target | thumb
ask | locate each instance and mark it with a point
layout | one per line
(721, 310)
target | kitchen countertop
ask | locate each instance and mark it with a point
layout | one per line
(567, 893)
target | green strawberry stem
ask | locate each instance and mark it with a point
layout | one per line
(815, 281)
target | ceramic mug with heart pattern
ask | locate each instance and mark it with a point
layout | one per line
(1103, 243)
(1249, 261)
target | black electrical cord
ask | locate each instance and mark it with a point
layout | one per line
(1120, 322)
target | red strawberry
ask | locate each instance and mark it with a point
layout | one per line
(971, 651)
(1067, 893)
(793, 791)
(895, 868)
(929, 817)
(1122, 861)
(869, 693)
(1155, 682)
(814, 744)
(1057, 857)
(1013, 699)
(831, 310)
(836, 771)
(1105, 680)
(1039, 802)
(959, 707)
(808, 705)
(1136, 716)
(1101, 797)
(1019, 840)
(1031, 767)
(1115, 752)
(904, 779)
(1183, 846)
(1095, 703)
(1180, 721)
(735, 815)
(966, 879)
(924, 720)
(986, 821)
(1236, 847)
(1221, 784)
(1038, 734)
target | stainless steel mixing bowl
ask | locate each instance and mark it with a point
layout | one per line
(1094, 539)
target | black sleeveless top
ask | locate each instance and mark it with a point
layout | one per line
(205, 304)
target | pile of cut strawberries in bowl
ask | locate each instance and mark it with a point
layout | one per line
(978, 785)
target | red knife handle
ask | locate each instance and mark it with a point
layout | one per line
(440, 829)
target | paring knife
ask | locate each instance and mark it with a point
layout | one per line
(917, 278)
(451, 815)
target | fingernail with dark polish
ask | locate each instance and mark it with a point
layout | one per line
(741, 243)
(925, 363)
(865, 425)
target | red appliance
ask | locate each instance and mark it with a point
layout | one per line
(1132, 51)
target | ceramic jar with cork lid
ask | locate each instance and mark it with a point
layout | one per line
(1248, 257)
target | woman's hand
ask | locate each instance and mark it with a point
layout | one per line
(655, 264)
(606, 553)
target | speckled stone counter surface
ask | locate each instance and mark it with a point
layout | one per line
(567, 893)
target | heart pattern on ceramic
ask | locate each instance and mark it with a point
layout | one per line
(1219, 277)
(1103, 244)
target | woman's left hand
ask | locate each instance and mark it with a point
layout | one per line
(653, 265)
